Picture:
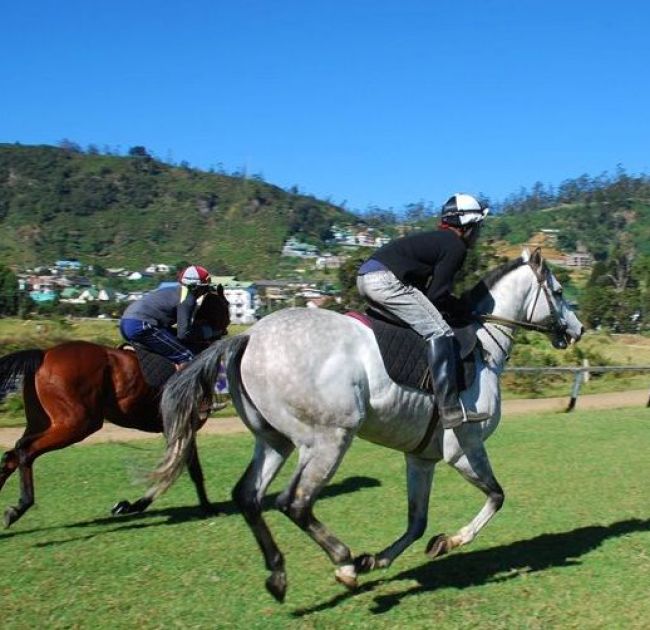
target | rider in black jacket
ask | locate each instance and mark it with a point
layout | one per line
(411, 278)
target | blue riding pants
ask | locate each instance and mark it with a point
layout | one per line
(159, 340)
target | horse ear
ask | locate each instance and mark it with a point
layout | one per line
(536, 258)
(525, 254)
(220, 292)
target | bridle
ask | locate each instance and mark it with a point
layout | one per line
(557, 326)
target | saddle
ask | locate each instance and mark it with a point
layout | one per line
(156, 369)
(404, 352)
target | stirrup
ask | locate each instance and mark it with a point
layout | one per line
(451, 417)
(473, 416)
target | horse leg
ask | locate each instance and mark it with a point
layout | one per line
(22, 457)
(473, 465)
(36, 421)
(196, 474)
(271, 451)
(317, 463)
(28, 448)
(419, 478)
(8, 465)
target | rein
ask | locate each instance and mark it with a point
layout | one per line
(556, 326)
(515, 323)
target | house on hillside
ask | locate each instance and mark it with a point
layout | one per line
(43, 295)
(273, 293)
(40, 283)
(89, 295)
(296, 249)
(71, 295)
(67, 265)
(159, 268)
(579, 260)
(106, 295)
(80, 281)
(329, 261)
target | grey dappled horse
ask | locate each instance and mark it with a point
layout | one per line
(312, 379)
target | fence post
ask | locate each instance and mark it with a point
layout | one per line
(585, 375)
(577, 382)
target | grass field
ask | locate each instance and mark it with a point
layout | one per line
(570, 549)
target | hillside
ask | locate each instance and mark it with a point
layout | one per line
(130, 211)
(597, 227)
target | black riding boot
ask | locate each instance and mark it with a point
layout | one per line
(443, 366)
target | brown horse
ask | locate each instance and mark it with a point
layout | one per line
(70, 389)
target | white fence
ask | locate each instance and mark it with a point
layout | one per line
(581, 375)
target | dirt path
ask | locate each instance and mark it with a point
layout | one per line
(511, 408)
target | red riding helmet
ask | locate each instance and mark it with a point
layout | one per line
(194, 276)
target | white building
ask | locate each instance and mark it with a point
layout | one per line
(158, 268)
(243, 305)
(242, 297)
(329, 261)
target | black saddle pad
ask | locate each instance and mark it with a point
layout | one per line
(404, 354)
(156, 369)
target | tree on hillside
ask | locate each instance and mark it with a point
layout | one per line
(620, 262)
(350, 298)
(139, 151)
(9, 293)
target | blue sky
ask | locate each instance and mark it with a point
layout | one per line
(358, 101)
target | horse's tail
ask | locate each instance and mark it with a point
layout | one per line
(181, 399)
(17, 366)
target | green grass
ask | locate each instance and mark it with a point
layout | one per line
(18, 334)
(571, 547)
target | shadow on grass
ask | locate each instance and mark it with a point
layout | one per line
(183, 514)
(494, 565)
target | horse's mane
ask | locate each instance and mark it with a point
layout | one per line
(483, 286)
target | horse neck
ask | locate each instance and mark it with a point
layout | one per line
(508, 299)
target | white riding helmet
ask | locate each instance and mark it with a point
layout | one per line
(462, 210)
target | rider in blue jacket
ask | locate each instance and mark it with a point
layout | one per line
(150, 320)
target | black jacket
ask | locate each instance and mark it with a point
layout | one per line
(427, 261)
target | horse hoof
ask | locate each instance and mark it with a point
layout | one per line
(276, 584)
(11, 516)
(347, 576)
(121, 507)
(437, 546)
(365, 562)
